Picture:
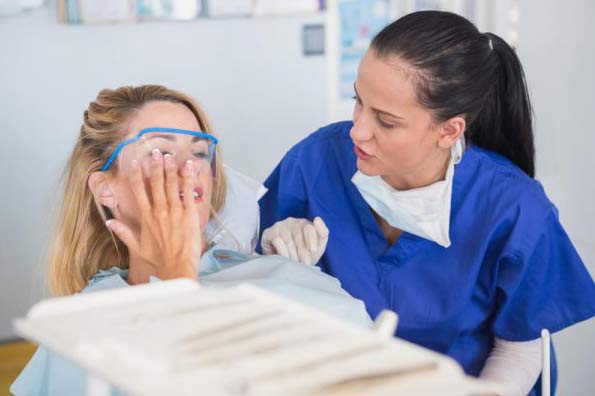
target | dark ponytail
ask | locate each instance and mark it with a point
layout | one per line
(460, 71)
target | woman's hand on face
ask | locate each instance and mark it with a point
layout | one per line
(170, 237)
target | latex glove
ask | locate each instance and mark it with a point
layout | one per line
(298, 239)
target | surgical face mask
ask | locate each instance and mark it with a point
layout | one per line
(424, 212)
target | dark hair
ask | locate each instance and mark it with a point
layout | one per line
(459, 71)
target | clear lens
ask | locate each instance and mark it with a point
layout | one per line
(181, 147)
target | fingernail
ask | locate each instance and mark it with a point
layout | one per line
(189, 166)
(156, 154)
(109, 224)
(167, 158)
(134, 163)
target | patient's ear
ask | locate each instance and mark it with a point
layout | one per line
(100, 186)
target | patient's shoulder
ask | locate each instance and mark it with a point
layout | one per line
(112, 278)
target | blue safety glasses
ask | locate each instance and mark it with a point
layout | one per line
(200, 148)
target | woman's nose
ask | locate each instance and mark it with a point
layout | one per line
(361, 131)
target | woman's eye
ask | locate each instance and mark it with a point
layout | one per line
(384, 124)
(357, 99)
(200, 155)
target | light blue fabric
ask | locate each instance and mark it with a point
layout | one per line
(47, 374)
(303, 283)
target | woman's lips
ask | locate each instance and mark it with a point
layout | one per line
(361, 154)
(197, 193)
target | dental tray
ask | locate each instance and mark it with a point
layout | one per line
(176, 338)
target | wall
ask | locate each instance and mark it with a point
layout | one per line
(557, 48)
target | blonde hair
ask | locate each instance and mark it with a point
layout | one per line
(82, 245)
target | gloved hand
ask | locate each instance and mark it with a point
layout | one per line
(298, 239)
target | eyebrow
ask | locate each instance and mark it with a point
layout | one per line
(378, 110)
(171, 138)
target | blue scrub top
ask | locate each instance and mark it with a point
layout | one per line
(510, 271)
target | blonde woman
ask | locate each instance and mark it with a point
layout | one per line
(140, 186)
